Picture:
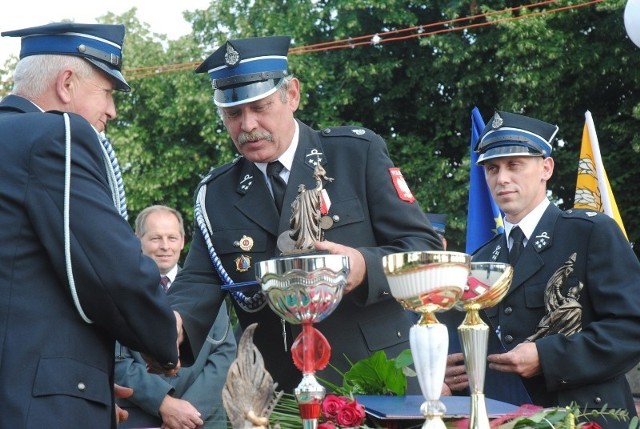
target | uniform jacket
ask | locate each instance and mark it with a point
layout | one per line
(367, 214)
(56, 369)
(587, 367)
(200, 383)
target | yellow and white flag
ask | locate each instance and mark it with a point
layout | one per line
(592, 189)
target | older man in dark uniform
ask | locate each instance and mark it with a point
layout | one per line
(72, 276)
(368, 212)
(569, 326)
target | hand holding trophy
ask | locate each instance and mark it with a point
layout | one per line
(304, 289)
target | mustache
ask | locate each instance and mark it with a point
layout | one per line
(254, 136)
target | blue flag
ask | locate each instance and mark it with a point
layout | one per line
(484, 219)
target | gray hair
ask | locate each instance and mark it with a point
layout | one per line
(35, 74)
(141, 219)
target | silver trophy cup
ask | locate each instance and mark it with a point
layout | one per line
(304, 290)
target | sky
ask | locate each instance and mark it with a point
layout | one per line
(162, 16)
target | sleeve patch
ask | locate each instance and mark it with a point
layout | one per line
(404, 193)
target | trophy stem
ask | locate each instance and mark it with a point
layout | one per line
(429, 344)
(309, 392)
(474, 337)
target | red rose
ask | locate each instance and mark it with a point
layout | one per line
(326, 425)
(351, 415)
(590, 425)
(331, 405)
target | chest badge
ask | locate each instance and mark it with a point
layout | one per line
(246, 243)
(243, 263)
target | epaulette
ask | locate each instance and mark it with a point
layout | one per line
(348, 131)
(586, 214)
(218, 171)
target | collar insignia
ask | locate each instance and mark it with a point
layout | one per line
(542, 240)
(358, 131)
(496, 253)
(246, 182)
(592, 214)
(314, 157)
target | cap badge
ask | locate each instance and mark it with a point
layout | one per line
(232, 57)
(497, 121)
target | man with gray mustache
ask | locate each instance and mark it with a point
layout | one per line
(368, 212)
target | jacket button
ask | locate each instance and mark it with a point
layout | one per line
(399, 334)
(508, 339)
(335, 218)
(82, 387)
(597, 400)
(508, 311)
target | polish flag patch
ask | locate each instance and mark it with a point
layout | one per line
(401, 186)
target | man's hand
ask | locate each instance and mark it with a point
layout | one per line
(121, 392)
(455, 376)
(179, 414)
(154, 367)
(522, 360)
(357, 266)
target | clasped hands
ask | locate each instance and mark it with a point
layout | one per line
(523, 360)
(155, 367)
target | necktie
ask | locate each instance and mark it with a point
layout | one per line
(278, 185)
(518, 245)
(164, 282)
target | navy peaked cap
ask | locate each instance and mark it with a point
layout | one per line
(246, 70)
(510, 134)
(100, 44)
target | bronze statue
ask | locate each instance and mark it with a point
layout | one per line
(305, 217)
(564, 313)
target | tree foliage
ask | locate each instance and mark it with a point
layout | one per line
(417, 92)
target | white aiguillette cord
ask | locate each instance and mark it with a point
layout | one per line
(67, 239)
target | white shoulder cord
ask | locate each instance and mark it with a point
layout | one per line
(67, 192)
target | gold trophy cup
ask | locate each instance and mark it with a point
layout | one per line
(428, 282)
(488, 283)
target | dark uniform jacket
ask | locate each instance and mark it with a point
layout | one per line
(367, 214)
(587, 367)
(56, 369)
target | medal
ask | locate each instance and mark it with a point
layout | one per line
(243, 263)
(246, 243)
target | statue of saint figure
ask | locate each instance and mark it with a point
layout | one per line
(306, 213)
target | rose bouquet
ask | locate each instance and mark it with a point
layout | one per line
(341, 412)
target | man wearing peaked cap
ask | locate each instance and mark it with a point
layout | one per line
(243, 207)
(509, 134)
(100, 44)
(575, 294)
(63, 222)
